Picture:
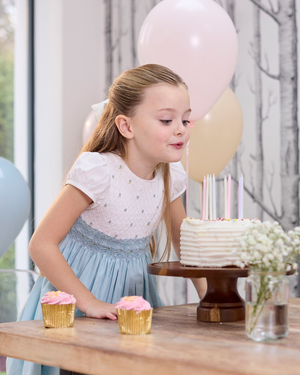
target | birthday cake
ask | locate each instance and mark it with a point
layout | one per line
(211, 243)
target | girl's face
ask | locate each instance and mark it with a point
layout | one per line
(160, 124)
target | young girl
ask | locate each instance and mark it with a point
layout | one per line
(96, 239)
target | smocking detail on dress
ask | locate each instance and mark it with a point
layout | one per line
(94, 240)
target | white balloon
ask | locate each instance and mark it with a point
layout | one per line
(92, 120)
(89, 126)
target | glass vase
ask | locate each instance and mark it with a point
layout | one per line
(267, 296)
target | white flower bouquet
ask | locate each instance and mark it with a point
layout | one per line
(266, 247)
(269, 252)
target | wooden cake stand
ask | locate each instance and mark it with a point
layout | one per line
(222, 302)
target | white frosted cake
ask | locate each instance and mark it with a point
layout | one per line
(211, 243)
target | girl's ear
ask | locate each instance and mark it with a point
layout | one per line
(123, 125)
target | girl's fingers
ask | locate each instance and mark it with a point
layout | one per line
(111, 316)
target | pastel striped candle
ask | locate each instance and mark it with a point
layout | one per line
(225, 197)
(214, 198)
(204, 199)
(200, 195)
(242, 196)
(239, 216)
(210, 199)
(187, 181)
(207, 195)
(229, 197)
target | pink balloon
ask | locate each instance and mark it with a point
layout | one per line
(197, 40)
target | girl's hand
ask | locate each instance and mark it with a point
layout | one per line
(100, 310)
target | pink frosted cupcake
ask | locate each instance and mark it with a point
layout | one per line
(134, 315)
(58, 309)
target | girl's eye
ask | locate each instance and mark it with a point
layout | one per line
(185, 122)
(167, 122)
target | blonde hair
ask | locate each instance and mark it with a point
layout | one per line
(125, 95)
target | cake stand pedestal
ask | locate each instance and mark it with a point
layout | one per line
(222, 302)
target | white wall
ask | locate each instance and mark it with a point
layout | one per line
(67, 82)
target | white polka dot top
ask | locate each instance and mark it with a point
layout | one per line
(124, 205)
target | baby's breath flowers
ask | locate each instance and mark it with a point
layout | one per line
(269, 252)
(266, 247)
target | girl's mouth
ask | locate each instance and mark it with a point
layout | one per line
(178, 145)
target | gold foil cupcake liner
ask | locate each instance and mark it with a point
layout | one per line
(131, 323)
(58, 316)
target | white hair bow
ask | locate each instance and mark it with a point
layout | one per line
(99, 108)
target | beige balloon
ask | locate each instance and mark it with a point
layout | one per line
(215, 138)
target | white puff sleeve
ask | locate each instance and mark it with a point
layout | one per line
(90, 174)
(178, 180)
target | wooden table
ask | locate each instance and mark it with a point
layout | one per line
(178, 344)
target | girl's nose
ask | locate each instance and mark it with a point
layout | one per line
(180, 129)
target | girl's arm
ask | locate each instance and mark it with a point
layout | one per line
(43, 249)
(177, 215)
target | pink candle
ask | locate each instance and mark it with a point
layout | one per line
(225, 197)
(187, 181)
(214, 198)
(240, 198)
(207, 196)
(204, 199)
(229, 196)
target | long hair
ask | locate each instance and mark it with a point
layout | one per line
(125, 95)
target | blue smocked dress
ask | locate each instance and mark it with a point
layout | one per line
(108, 245)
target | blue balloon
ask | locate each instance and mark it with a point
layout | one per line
(14, 203)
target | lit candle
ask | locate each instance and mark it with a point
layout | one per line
(225, 197)
(229, 197)
(204, 198)
(214, 198)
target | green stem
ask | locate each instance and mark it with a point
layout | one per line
(258, 315)
(263, 295)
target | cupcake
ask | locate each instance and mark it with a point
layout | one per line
(58, 309)
(134, 315)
